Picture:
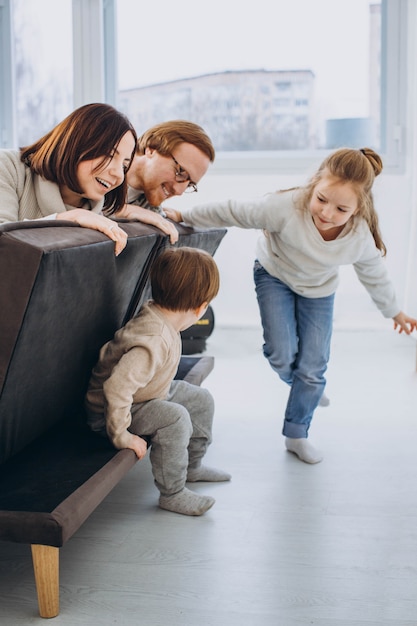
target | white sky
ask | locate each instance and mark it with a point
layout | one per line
(169, 40)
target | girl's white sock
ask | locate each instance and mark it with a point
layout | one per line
(304, 450)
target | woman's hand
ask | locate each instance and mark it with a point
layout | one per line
(146, 216)
(404, 323)
(87, 219)
(173, 215)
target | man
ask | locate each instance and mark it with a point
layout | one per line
(171, 158)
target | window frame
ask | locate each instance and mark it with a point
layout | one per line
(394, 71)
(7, 93)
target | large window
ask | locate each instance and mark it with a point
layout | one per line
(271, 82)
(280, 75)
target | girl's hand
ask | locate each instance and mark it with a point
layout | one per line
(404, 323)
(138, 445)
(173, 215)
(134, 212)
(87, 219)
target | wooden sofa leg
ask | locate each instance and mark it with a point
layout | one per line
(46, 569)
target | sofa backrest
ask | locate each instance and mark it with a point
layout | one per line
(63, 294)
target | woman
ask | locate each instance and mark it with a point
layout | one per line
(76, 173)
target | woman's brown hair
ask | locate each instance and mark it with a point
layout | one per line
(90, 132)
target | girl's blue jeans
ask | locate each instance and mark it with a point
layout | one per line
(297, 333)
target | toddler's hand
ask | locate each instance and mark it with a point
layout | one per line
(138, 445)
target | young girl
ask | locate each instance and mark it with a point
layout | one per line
(307, 233)
(76, 172)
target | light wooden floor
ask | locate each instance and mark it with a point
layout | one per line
(286, 544)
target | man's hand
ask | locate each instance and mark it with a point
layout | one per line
(134, 212)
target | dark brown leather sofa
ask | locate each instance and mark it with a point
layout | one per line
(63, 294)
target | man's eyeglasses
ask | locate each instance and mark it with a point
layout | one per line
(182, 176)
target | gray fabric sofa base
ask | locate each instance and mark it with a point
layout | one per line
(62, 295)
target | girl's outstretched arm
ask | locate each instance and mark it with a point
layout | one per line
(404, 323)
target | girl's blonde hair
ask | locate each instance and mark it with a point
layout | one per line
(358, 167)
